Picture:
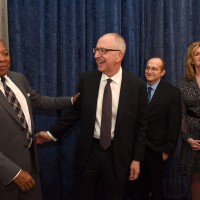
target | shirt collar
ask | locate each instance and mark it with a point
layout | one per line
(154, 86)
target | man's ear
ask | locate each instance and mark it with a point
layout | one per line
(119, 56)
(163, 72)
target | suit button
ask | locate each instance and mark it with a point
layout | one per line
(25, 146)
(22, 128)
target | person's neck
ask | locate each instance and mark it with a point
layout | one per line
(112, 73)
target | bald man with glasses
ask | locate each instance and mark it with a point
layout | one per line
(112, 108)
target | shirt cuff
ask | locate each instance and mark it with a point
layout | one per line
(15, 176)
(51, 136)
(72, 100)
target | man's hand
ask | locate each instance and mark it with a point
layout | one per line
(75, 97)
(42, 137)
(134, 170)
(165, 156)
(24, 181)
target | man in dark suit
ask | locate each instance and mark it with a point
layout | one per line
(19, 177)
(120, 159)
(164, 121)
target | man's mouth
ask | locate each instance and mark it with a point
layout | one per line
(100, 61)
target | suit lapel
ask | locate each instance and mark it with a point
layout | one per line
(95, 83)
(7, 105)
(19, 84)
(157, 92)
(123, 98)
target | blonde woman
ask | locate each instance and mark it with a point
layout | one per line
(190, 87)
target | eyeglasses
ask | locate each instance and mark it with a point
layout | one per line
(103, 51)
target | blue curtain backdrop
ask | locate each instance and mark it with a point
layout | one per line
(51, 43)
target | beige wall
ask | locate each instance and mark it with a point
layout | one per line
(3, 21)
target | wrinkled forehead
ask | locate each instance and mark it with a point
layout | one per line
(155, 62)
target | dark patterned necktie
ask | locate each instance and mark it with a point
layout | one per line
(105, 133)
(149, 93)
(17, 108)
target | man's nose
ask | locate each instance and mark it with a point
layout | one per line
(97, 54)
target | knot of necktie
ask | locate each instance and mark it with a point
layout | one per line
(3, 79)
(109, 81)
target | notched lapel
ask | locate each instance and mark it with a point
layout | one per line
(123, 98)
(94, 87)
(157, 94)
(19, 84)
(8, 108)
(22, 88)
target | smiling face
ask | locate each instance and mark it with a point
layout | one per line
(4, 59)
(154, 70)
(110, 62)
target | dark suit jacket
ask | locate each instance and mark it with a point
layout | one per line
(14, 154)
(129, 138)
(164, 119)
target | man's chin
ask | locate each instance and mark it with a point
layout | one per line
(100, 68)
(149, 79)
(3, 72)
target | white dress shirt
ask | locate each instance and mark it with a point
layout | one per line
(115, 88)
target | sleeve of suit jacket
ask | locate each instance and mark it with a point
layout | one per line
(46, 102)
(8, 169)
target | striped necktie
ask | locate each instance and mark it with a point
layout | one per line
(17, 108)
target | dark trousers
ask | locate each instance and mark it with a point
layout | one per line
(99, 180)
(12, 191)
(149, 185)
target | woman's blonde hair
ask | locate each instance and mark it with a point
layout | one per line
(190, 68)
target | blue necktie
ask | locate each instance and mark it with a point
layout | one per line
(149, 93)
